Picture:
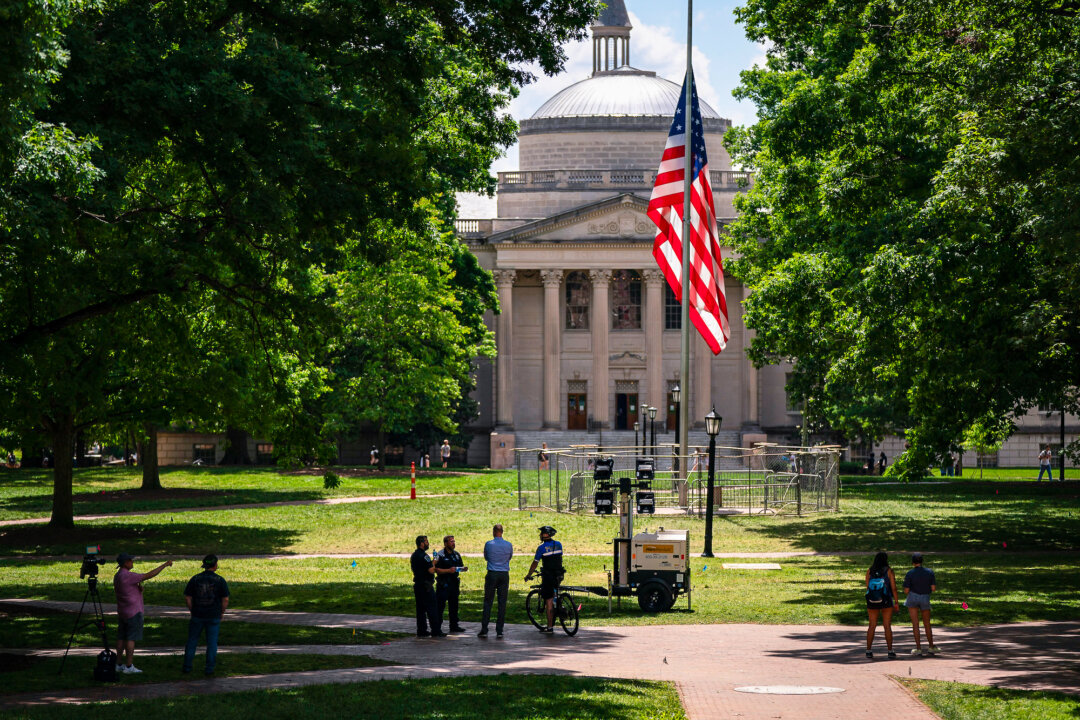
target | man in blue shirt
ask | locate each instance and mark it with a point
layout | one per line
(918, 584)
(550, 553)
(497, 552)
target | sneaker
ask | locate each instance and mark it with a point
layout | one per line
(916, 651)
(869, 654)
(423, 635)
(119, 668)
(438, 634)
(932, 650)
(483, 634)
(458, 629)
(132, 670)
(498, 636)
(892, 655)
(547, 630)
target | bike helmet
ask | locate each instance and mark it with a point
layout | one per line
(547, 529)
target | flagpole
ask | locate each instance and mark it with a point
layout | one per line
(684, 366)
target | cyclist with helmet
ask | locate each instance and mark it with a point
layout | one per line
(550, 554)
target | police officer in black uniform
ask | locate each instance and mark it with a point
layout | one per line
(448, 567)
(423, 571)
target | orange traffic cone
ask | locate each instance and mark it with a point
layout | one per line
(412, 492)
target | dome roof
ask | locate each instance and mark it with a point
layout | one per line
(626, 92)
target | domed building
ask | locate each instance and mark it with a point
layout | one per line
(589, 331)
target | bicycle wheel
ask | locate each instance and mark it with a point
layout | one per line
(567, 612)
(534, 606)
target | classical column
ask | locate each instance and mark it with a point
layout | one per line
(504, 341)
(552, 354)
(654, 337)
(753, 416)
(601, 320)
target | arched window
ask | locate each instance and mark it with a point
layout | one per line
(626, 300)
(578, 297)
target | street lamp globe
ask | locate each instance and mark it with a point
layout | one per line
(676, 394)
(652, 412)
(712, 423)
(637, 426)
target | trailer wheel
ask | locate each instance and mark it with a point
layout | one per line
(654, 597)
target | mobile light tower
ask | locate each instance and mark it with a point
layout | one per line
(712, 427)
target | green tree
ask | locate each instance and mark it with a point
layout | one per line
(227, 153)
(910, 240)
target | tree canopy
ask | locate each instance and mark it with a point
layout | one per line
(159, 158)
(911, 237)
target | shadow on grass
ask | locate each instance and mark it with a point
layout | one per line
(186, 538)
(970, 517)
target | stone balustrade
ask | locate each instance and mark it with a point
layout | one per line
(528, 181)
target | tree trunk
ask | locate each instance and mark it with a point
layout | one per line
(80, 449)
(63, 437)
(31, 456)
(380, 443)
(148, 457)
(236, 450)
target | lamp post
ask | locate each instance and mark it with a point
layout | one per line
(712, 427)
(676, 396)
(636, 426)
(652, 422)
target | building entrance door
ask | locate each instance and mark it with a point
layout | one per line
(625, 410)
(576, 411)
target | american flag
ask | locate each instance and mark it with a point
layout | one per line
(708, 302)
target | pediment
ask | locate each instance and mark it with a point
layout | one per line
(618, 219)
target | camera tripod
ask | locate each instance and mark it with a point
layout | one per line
(97, 619)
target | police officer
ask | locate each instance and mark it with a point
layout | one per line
(549, 553)
(448, 567)
(423, 571)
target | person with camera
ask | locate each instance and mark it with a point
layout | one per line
(207, 597)
(129, 609)
(448, 566)
(550, 553)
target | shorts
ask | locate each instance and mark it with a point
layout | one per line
(548, 583)
(887, 605)
(130, 628)
(918, 601)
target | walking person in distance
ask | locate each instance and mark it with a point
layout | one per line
(881, 600)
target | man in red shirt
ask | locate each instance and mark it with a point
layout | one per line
(129, 608)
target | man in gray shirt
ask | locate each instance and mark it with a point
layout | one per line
(497, 552)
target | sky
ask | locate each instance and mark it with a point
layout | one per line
(658, 43)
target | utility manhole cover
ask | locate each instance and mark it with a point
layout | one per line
(789, 689)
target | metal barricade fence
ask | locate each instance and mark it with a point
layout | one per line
(767, 479)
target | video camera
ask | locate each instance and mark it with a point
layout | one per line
(91, 561)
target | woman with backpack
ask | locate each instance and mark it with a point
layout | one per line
(881, 599)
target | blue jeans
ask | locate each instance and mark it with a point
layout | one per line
(1047, 470)
(195, 629)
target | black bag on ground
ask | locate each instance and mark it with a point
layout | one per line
(105, 669)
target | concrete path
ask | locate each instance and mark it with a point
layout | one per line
(211, 508)
(706, 662)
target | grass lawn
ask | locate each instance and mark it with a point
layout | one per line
(957, 701)
(505, 697)
(807, 590)
(969, 517)
(974, 473)
(28, 493)
(34, 674)
(35, 628)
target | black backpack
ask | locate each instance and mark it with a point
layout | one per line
(105, 669)
(877, 590)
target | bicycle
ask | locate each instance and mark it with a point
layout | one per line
(566, 609)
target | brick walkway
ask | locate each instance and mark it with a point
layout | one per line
(707, 662)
